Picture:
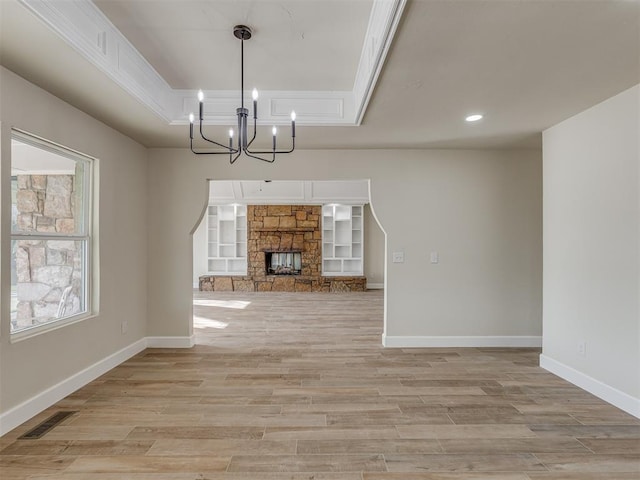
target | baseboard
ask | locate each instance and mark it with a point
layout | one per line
(609, 394)
(395, 341)
(375, 286)
(171, 342)
(28, 409)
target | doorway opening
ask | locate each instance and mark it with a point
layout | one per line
(273, 243)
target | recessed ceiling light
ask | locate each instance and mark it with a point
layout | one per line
(474, 118)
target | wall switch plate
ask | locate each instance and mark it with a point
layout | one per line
(582, 348)
(398, 257)
(435, 257)
(124, 326)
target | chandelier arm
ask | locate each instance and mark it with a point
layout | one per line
(262, 152)
(207, 152)
(254, 132)
(229, 150)
(210, 152)
(248, 154)
(232, 159)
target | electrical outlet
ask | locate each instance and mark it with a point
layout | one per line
(124, 326)
(582, 348)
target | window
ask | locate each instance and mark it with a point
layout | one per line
(50, 234)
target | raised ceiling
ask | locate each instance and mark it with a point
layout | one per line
(303, 45)
(313, 61)
(526, 65)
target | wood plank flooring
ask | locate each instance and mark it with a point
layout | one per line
(297, 387)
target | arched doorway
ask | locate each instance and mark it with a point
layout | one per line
(303, 218)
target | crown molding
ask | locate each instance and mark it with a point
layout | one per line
(274, 107)
(85, 28)
(383, 22)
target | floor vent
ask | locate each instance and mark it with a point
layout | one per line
(47, 425)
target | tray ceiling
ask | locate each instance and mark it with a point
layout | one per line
(319, 58)
(527, 65)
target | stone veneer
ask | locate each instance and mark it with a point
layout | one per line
(283, 228)
(48, 272)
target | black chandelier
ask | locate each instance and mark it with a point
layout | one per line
(243, 33)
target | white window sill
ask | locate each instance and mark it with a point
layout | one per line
(48, 327)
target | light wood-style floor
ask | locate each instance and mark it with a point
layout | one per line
(297, 387)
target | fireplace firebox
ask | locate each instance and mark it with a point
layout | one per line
(283, 263)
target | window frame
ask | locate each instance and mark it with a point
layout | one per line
(84, 235)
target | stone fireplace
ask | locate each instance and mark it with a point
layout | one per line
(276, 233)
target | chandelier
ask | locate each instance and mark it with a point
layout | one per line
(243, 143)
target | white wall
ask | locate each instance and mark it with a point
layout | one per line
(481, 210)
(373, 250)
(592, 250)
(200, 263)
(31, 366)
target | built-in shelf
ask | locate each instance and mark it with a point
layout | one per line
(342, 239)
(227, 239)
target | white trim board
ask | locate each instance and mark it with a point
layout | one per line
(395, 341)
(609, 394)
(43, 400)
(375, 286)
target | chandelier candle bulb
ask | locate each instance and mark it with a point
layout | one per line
(191, 125)
(293, 123)
(274, 131)
(254, 95)
(200, 99)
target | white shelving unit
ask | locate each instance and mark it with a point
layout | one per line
(227, 239)
(342, 236)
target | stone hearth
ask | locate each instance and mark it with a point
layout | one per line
(283, 228)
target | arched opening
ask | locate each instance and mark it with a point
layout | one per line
(323, 233)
